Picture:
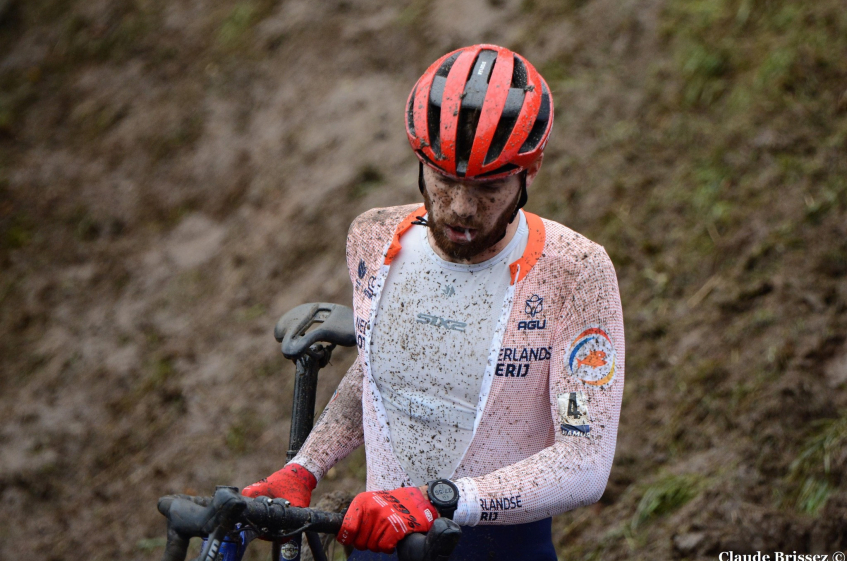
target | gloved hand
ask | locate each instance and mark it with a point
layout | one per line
(377, 520)
(293, 483)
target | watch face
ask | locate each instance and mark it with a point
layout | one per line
(443, 492)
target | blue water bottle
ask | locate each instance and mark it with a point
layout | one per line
(231, 548)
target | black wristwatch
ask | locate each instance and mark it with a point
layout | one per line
(444, 496)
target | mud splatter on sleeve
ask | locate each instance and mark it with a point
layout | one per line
(586, 387)
(338, 430)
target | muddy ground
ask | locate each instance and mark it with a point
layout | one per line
(176, 175)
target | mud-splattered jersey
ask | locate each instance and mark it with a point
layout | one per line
(549, 402)
(429, 348)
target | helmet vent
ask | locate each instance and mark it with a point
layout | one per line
(445, 67)
(540, 125)
(519, 75)
(410, 113)
(433, 121)
(468, 120)
(436, 94)
(501, 136)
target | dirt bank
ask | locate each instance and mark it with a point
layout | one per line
(175, 176)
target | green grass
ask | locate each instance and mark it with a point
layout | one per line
(232, 30)
(811, 476)
(830, 436)
(704, 67)
(253, 312)
(813, 495)
(158, 373)
(413, 14)
(148, 545)
(664, 496)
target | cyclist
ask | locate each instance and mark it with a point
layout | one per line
(490, 370)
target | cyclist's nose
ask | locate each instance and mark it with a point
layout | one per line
(463, 204)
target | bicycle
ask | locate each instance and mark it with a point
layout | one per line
(307, 334)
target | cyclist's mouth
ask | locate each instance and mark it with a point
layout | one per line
(459, 234)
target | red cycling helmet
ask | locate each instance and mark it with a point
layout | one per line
(481, 112)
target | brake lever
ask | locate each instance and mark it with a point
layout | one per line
(181, 511)
(226, 508)
(176, 548)
(202, 517)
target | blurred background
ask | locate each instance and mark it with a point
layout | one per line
(176, 175)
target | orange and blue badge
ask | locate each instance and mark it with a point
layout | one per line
(592, 357)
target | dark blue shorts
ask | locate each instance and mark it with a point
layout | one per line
(521, 542)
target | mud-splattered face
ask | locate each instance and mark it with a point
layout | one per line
(468, 219)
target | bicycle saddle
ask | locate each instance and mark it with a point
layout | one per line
(307, 324)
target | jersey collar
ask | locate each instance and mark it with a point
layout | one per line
(519, 269)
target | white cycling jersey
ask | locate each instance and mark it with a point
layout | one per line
(430, 343)
(547, 412)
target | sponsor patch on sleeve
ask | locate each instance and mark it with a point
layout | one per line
(591, 357)
(573, 414)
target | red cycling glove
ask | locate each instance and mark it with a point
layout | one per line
(377, 520)
(293, 483)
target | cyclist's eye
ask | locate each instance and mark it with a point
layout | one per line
(492, 187)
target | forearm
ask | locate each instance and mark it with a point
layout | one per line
(543, 485)
(338, 431)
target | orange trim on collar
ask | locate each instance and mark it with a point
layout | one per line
(402, 228)
(519, 269)
(534, 247)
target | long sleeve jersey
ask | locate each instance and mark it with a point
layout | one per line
(547, 414)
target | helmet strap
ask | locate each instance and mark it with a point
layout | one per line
(420, 177)
(521, 202)
(523, 198)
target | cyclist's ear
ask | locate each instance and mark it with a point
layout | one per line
(532, 170)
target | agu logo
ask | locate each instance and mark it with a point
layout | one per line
(534, 305)
(592, 357)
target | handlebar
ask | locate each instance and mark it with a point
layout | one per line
(275, 519)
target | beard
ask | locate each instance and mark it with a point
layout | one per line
(484, 239)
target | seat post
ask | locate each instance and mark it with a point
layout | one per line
(307, 366)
